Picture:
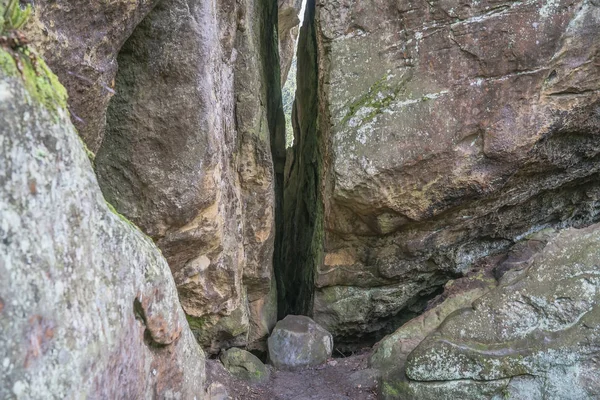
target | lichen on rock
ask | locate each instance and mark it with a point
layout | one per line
(524, 334)
(73, 271)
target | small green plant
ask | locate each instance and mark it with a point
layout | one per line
(16, 57)
(14, 17)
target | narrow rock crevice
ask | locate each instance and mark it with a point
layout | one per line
(301, 246)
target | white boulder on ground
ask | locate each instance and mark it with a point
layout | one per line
(298, 342)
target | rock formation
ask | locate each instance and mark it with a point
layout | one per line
(443, 189)
(80, 41)
(431, 135)
(88, 307)
(188, 153)
(202, 181)
(390, 354)
(536, 336)
(288, 28)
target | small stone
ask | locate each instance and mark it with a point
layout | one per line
(298, 342)
(244, 365)
(217, 391)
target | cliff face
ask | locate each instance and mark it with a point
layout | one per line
(444, 133)
(188, 156)
(88, 306)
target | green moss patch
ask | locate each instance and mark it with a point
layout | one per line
(379, 97)
(13, 16)
(22, 61)
(196, 323)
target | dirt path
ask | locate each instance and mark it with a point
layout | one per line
(339, 379)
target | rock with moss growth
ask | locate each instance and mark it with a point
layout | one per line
(88, 307)
(537, 336)
(429, 136)
(298, 342)
(244, 365)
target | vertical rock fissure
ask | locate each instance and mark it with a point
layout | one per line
(278, 150)
(301, 242)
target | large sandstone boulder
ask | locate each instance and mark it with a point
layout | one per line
(298, 342)
(390, 354)
(536, 336)
(191, 156)
(428, 136)
(88, 307)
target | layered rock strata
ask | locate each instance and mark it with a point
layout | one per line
(535, 336)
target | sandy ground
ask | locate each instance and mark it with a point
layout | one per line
(338, 379)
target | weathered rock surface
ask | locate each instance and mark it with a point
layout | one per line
(298, 342)
(244, 365)
(389, 355)
(217, 391)
(288, 21)
(188, 155)
(80, 41)
(429, 136)
(536, 336)
(88, 307)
